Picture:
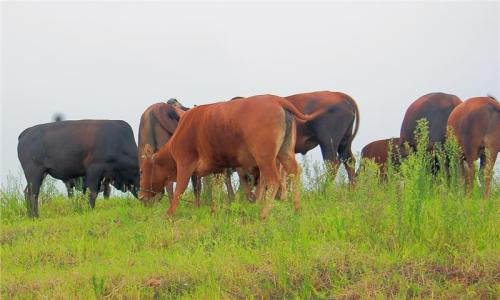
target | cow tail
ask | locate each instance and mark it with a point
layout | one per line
(356, 116)
(299, 115)
(289, 121)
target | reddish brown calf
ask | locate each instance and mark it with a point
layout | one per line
(246, 133)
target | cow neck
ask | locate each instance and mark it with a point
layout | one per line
(163, 157)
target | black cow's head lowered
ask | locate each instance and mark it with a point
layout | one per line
(126, 179)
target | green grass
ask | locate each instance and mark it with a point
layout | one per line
(412, 236)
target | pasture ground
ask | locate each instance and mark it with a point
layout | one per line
(412, 236)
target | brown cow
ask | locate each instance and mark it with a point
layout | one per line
(476, 125)
(436, 108)
(158, 123)
(332, 131)
(246, 133)
(378, 151)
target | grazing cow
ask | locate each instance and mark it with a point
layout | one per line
(378, 151)
(436, 108)
(158, 123)
(476, 125)
(95, 149)
(78, 183)
(333, 131)
(245, 133)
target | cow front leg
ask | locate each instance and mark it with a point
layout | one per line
(196, 181)
(183, 174)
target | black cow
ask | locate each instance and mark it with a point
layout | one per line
(95, 149)
(79, 183)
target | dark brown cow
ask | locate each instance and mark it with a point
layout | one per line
(246, 133)
(158, 123)
(436, 108)
(378, 151)
(476, 125)
(333, 131)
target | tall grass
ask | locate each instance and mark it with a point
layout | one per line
(411, 235)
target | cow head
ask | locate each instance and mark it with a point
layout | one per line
(127, 178)
(177, 106)
(151, 179)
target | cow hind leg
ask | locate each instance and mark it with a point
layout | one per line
(468, 173)
(283, 190)
(229, 185)
(348, 160)
(106, 189)
(70, 184)
(329, 152)
(488, 159)
(93, 183)
(270, 182)
(196, 182)
(32, 191)
(292, 170)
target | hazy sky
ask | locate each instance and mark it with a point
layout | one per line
(112, 60)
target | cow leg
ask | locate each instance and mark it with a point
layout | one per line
(348, 160)
(468, 172)
(329, 152)
(229, 185)
(93, 183)
(292, 170)
(183, 174)
(170, 190)
(106, 188)
(488, 159)
(32, 190)
(245, 184)
(70, 184)
(271, 181)
(196, 181)
(282, 191)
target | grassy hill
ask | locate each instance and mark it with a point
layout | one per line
(411, 236)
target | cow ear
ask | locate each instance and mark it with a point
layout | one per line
(148, 151)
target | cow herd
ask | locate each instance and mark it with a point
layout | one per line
(256, 136)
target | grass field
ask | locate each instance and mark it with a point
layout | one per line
(413, 236)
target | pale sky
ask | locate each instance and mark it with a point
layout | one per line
(111, 60)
